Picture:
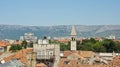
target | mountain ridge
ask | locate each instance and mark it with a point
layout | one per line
(15, 31)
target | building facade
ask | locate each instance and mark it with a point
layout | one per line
(29, 37)
(46, 51)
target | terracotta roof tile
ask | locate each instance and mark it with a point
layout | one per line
(73, 63)
(67, 53)
(67, 63)
(86, 53)
(76, 54)
(41, 65)
(3, 43)
(83, 54)
(20, 55)
(63, 40)
(17, 42)
(115, 62)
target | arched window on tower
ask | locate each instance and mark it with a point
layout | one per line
(73, 39)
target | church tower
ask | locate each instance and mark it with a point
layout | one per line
(73, 38)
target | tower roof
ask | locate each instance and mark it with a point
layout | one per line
(73, 31)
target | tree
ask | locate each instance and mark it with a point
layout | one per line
(98, 47)
(92, 40)
(109, 45)
(24, 44)
(19, 47)
(64, 47)
(15, 48)
(117, 47)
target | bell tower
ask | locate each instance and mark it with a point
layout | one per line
(73, 38)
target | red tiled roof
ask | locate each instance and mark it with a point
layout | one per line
(115, 62)
(3, 43)
(63, 40)
(20, 55)
(83, 54)
(86, 53)
(73, 63)
(67, 53)
(17, 42)
(41, 65)
(116, 40)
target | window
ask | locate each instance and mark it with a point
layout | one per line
(73, 38)
(1, 49)
(66, 62)
(47, 55)
(39, 54)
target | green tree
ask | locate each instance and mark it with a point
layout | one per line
(98, 47)
(117, 47)
(92, 40)
(64, 47)
(24, 44)
(15, 48)
(109, 45)
(19, 47)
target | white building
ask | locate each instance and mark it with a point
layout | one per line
(29, 37)
(111, 36)
(107, 56)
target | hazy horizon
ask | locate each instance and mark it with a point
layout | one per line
(60, 25)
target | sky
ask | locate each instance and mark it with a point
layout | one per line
(60, 12)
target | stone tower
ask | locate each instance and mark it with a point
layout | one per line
(73, 38)
(31, 59)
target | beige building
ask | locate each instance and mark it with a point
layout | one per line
(47, 51)
(4, 46)
(31, 57)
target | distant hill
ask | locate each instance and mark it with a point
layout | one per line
(15, 31)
